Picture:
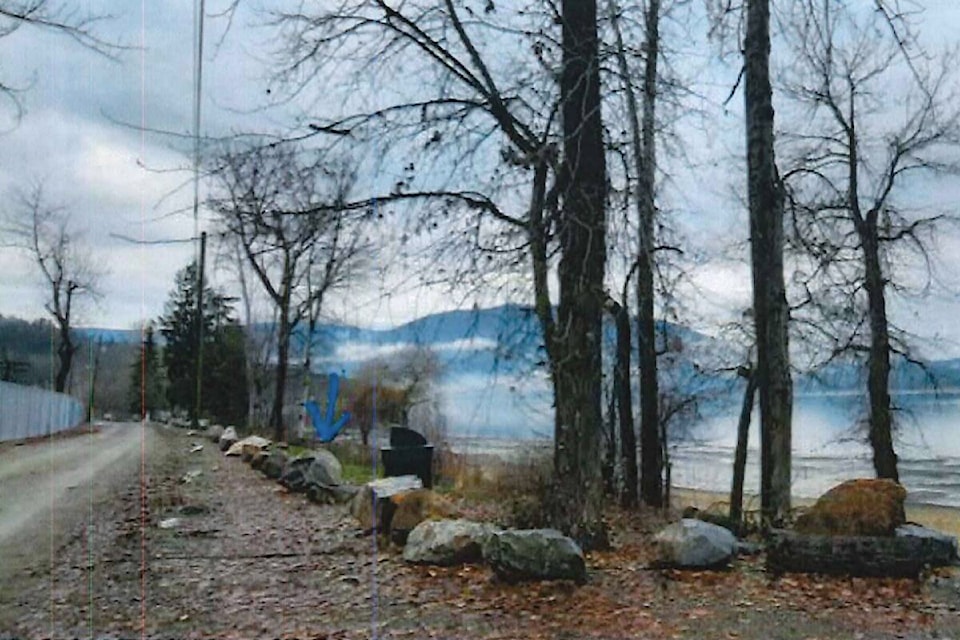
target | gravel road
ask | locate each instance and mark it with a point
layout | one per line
(49, 488)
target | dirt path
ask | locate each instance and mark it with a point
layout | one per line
(48, 488)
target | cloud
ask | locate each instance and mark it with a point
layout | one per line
(91, 163)
(363, 351)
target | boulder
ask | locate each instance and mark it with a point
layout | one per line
(214, 433)
(410, 508)
(534, 554)
(251, 443)
(372, 507)
(326, 468)
(258, 459)
(447, 542)
(331, 494)
(863, 507)
(274, 465)
(294, 475)
(228, 438)
(692, 543)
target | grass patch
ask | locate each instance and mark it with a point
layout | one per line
(359, 473)
(297, 450)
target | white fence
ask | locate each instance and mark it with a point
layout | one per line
(26, 412)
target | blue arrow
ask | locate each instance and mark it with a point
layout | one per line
(325, 427)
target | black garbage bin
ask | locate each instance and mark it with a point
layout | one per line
(408, 455)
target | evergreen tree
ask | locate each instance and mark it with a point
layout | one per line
(147, 378)
(223, 393)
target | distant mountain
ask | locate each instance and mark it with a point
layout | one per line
(109, 336)
(507, 340)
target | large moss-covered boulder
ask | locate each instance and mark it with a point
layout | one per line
(535, 554)
(317, 467)
(274, 465)
(325, 468)
(862, 507)
(447, 542)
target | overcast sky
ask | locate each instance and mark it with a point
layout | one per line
(116, 180)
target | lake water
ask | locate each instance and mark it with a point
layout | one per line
(828, 448)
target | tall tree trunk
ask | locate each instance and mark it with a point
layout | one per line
(608, 471)
(250, 358)
(283, 354)
(624, 397)
(577, 500)
(878, 377)
(280, 384)
(740, 455)
(771, 312)
(651, 447)
(643, 134)
(65, 351)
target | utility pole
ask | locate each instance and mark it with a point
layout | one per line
(198, 92)
(200, 268)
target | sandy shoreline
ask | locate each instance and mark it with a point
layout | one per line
(945, 519)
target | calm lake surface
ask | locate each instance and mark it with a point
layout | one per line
(828, 447)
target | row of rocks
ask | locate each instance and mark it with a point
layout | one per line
(514, 555)
(318, 474)
(856, 528)
(428, 527)
(402, 509)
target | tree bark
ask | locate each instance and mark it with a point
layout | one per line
(252, 346)
(66, 348)
(577, 499)
(624, 398)
(65, 351)
(283, 353)
(651, 447)
(878, 376)
(740, 455)
(643, 133)
(771, 312)
(608, 471)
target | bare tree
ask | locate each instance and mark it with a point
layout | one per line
(642, 124)
(849, 163)
(622, 399)
(485, 126)
(289, 217)
(56, 17)
(258, 314)
(771, 311)
(67, 267)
